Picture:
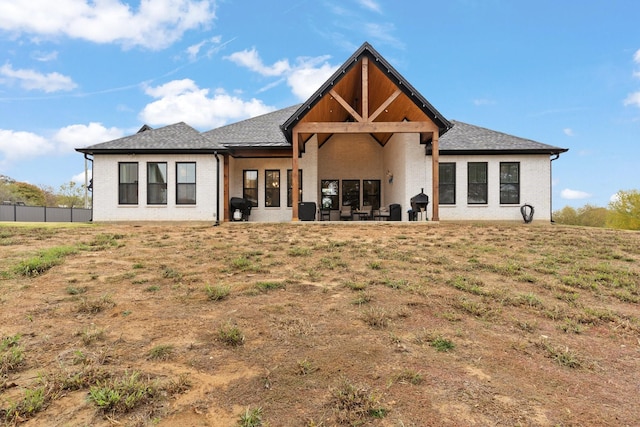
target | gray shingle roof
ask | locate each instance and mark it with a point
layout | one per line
(466, 138)
(260, 131)
(264, 132)
(179, 137)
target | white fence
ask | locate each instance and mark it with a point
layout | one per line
(20, 213)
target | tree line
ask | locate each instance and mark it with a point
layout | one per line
(67, 195)
(623, 213)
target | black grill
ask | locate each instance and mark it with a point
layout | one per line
(419, 204)
(241, 205)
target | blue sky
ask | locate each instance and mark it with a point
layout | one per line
(78, 72)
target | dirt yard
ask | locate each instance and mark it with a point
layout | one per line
(319, 324)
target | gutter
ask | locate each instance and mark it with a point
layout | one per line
(556, 157)
(86, 184)
(215, 153)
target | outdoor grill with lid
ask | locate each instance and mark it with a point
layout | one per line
(240, 209)
(419, 204)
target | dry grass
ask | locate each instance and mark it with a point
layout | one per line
(319, 325)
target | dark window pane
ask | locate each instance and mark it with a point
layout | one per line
(447, 183)
(250, 186)
(185, 183)
(156, 183)
(510, 183)
(371, 193)
(329, 189)
(351, 193)
(272, 188)
(477, 183)
(128, 183)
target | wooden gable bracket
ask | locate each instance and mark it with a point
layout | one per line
(364, 123)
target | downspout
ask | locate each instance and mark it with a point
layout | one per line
(215, 153)
(557, 155)
(86, 184)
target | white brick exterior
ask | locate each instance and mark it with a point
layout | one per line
(105, 189)
(535, 189)
(341, 157)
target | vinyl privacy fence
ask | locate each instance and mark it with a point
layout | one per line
(21, 213)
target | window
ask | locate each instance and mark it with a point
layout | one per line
(272, 188)
(250, 186)
(329, 190)
(185, 183)
(156, 183)
(477, 183)
(510, 183)
(290, 187)
(351, 193)
(128, 183)
(447, 183)
(371, 193)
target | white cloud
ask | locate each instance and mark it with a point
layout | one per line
(614, 198)
(33, 80)
(304, 77)
(568, 131)
(79, 178)
(371, 5)
(45, 56)
(633, 99)
(251, 60)
(308, 77)
(636, 56)
(574, 194)
(183, 100)
(155, 24)
(194, 50)
(76, 136)
(209, 46)
(15, 146)
(19, 146)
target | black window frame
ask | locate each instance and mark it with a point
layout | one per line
(271, 192)
(183, 185)
(128, 190)
(371, 191)
(330, 194)
(250, 193)
(477, 184)
(447, 187)
(351, 196)
(509, 186)
(157, 189)
(290, 187)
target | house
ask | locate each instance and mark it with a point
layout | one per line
(365, 138)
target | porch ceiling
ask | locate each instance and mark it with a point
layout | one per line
(366, 90)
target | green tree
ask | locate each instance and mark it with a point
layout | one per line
(70, 195)
(27, 193)
(587, 215)
(566, 215)
(50, 196)
(624, 210)
(592, 216)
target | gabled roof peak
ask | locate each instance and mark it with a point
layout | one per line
(350, 85)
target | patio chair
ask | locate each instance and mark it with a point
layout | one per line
(346, 213)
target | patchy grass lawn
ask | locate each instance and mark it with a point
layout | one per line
(319, 324)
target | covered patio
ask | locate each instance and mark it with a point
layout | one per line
(361, 118)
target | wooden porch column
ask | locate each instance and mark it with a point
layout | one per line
(435, 177)
(225, 200)
(295, 195)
